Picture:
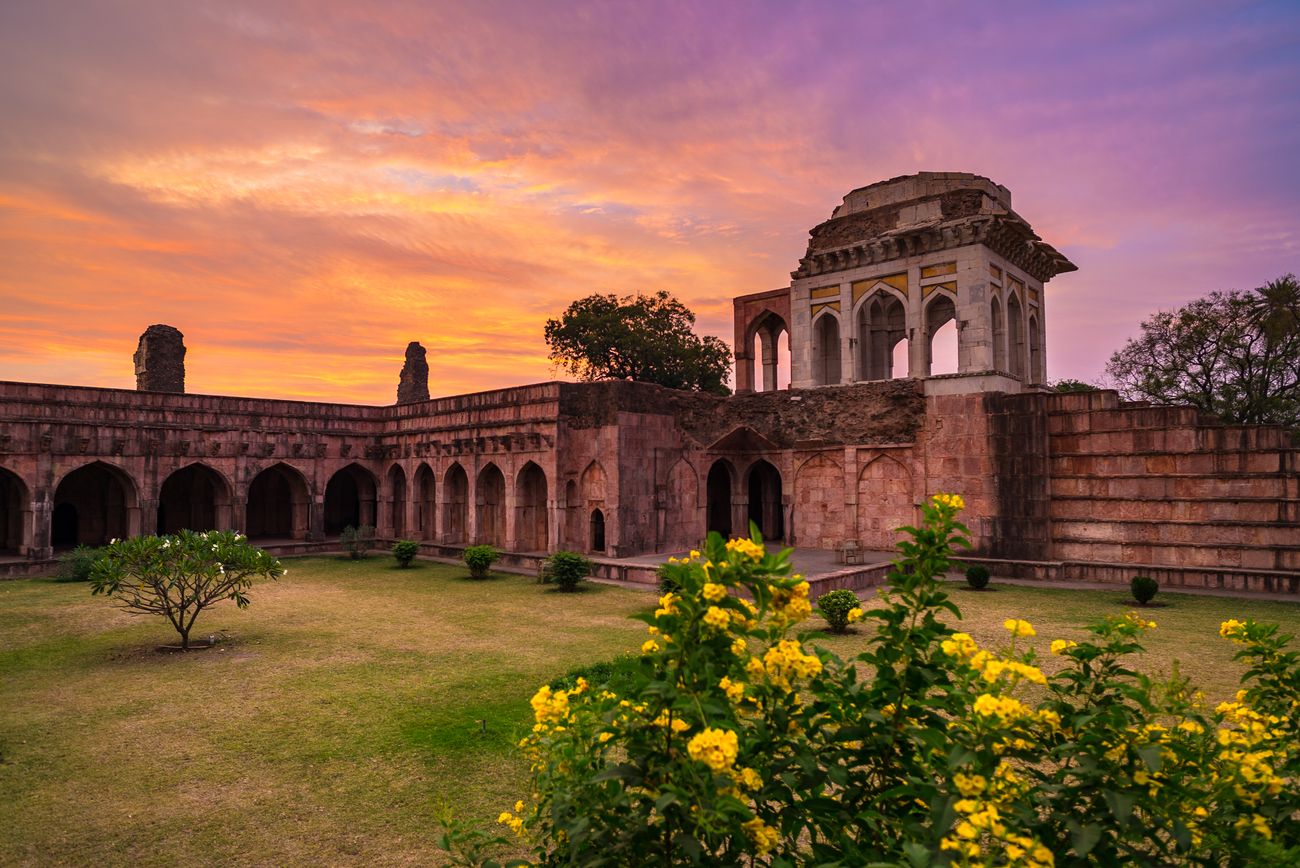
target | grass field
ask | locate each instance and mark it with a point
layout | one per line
(351, 702)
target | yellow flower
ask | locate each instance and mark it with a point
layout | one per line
(746, 547)
(739, 647)
(734, 689)
(1060, 646)
(714, 592)
(970, 785)
(717, 618)
(855, 614)
(1256, 822)
(763, 835)
(548, 706)
(1234, 630)
(952, 501)
(1017, 627)
(716, 748)
(750, 779)
(650, 647)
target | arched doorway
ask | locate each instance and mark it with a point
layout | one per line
(769, 363)
(15, 504)
(531, 526)
(884, 502)
(349, 500)
(826, 351)
(425, 502)
(92, 505)
(490, 506)
(765, 508)
(882, 325)
(397, 501)
(718, 494)
(1016, 336)
(941, 336)
(194, 498)
(455, 508)
(278, 500)
(597, 526)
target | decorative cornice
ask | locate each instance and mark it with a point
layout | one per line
(1006, 236)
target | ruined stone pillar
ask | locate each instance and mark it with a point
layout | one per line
(414, 383)
(767, 341)
(160, 360)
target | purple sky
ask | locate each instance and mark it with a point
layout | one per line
(304, 187)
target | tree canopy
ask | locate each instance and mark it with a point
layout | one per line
(647, 338)
(1234, 354)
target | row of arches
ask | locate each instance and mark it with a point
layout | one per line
(879, 345)
(97, 502)
(1017, 341)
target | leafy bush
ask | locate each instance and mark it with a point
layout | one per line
(667, 584)
(480, 559)
(566, 569)
(977, 576)
(357, 541)
(616, 675)
(181, 575)
(734, 743)
(1144, 588)
(405, 551)
(76, 565)
(840, 608)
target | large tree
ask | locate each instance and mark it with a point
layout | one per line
(1233, 354)
(648, 338)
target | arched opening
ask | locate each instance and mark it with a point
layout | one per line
(531, 526)
(765, 508)
(681, 521)
(92, 505)
(490, 501)
(1035, 351)
(1016, 336)
(769, 353)
(277, 504)
(941, 329)
(397, 501)
(882, 338)
(350, 500)
(999, 335)
(455, 507)
(718, 493)
(884, 502)
(597, 531)
(425, 502)
(194, 498)
(826, 351)
(15, 503)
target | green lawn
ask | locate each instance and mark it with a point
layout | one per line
(346, 707)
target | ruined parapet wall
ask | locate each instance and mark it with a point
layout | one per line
(160, 360)
(1019, 467)
(1136, 484)
(413, 384)
(864, 413)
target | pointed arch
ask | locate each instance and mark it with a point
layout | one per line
(455, 504)
(196, 497)
(997, 325)
(815, 520)
(531, 525)
(1036, 372)
(1015, 336)
(884, 501)
(350, 499)
(682, 526)
(826, 349)
(426, 503)
(881, 325)
(278, 504)
(596, 536)
(490, 506)
(396, 479)
(941, 339)
(93, 504)
(766, 510)
(718, 497)
(15, 514)
(763, 339)
(594, 483)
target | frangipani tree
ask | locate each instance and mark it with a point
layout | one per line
(179, 576)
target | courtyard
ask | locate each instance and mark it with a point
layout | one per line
(354, 703)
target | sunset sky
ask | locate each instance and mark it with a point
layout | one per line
(303, 188)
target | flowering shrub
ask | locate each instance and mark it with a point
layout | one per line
(179, 576)
(733, 743)
(839, 608)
